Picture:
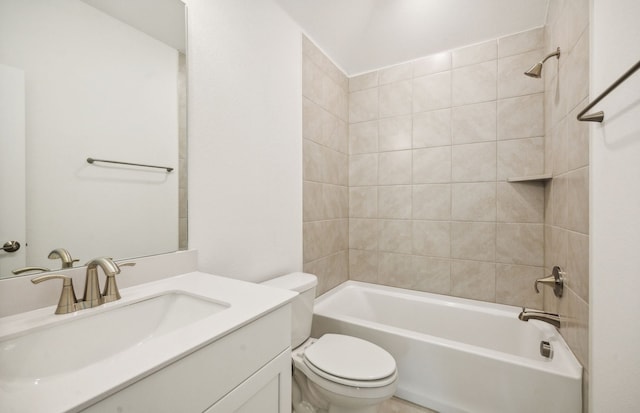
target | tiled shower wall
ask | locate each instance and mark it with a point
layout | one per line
(567, 158)
(431, 145)
(325, 170)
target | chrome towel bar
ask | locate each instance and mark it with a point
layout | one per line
(599, 116)
(92, 160)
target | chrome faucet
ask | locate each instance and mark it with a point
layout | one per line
(551, 318)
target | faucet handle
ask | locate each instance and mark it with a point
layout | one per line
(111, 292)
(67, 302)
(555, 280)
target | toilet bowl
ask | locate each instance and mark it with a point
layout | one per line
(334, 373)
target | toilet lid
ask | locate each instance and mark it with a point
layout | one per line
(350, 358)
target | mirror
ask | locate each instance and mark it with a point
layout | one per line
(102, 79)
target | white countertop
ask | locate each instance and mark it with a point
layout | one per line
(85, 386)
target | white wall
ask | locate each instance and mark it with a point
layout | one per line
(12, 166)
(94, 87)
(245, 144)
(615, 211)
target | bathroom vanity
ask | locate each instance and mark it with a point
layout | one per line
(190, 343)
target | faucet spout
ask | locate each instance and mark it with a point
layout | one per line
(92, 296)
(64, 256)
(551, 318)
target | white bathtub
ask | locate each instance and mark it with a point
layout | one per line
(457, 355)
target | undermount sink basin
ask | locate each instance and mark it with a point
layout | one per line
(86, 338)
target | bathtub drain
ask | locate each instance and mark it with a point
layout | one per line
(546, 350)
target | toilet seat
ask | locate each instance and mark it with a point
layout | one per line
(350, 361)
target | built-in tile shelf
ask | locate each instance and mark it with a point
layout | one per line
(538, 178)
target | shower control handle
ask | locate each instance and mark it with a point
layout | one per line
(555, 280)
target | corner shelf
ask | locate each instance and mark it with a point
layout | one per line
(531, 178)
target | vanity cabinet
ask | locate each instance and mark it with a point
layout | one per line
(247, 371)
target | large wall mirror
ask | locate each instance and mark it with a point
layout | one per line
(101, 79)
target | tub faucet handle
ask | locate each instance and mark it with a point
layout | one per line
(555, 280)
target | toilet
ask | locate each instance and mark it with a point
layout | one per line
(334, 373)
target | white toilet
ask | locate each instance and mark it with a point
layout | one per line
(334, 373)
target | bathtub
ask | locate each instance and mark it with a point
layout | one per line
(456, 355)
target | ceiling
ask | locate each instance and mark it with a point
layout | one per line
(364, 35)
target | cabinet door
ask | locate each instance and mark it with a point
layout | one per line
(266, 391)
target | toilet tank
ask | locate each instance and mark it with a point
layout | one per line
(302, 306)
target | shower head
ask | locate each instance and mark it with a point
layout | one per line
(536, 70)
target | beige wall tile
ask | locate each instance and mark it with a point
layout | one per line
(363, 105)
(363, 202)
(363, 234)
(578, 264)
(432, 274)
(395, 133)
(514, 285)
(474, 84)
(432, 238)
(313, 53)
(578, 200)
(521, 117)
(578, 67)
(473, 279)
(312, 208)
(395, 236)
(473, 240)
(558, 254)
(364, 81)
(559, 146)
(432, 165)
(439, 62)
(331, 270)
(395, 99)
(520, 157)
(323, 127)
(395, 73)
(363, 137)
(511, 79)
(521, 42)
(473, 201)
(578, 19)
(432, 92)
(520, 244)
(521, 202)
(474, 162)
(394, 202)
(576, 327)
(363, 169)
(322, 238)
(577, 140)
(335, 201)
(476, 53)
(363, 266)
(559, 201)
(394, 168)
(432, 128)
(473, 123)
(312, 81)
(432, 201)
(396, 270)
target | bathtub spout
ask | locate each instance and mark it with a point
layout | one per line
(551, 318)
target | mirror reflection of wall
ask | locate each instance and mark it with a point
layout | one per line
(94, 87)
